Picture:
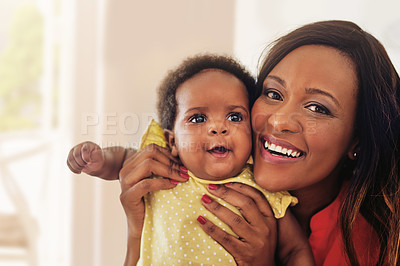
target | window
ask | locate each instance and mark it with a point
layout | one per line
(34, 192)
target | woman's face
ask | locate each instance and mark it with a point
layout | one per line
(304, 119)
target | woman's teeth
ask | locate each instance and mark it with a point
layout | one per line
(281, 151)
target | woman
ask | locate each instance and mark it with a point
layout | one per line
(328, 91)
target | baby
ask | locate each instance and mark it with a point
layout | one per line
(204, 108)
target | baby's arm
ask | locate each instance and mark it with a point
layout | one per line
(293, 246)
(105, 163)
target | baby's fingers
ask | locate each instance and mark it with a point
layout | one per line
(73, 164)
(91, 153)
(77, 154)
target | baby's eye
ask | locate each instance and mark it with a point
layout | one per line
(318, 109)
(235, 117)
(198, 118)
(274, 95)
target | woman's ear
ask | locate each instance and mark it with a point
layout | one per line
(170, 137)
(354, 150)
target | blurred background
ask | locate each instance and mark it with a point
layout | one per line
(87, 70)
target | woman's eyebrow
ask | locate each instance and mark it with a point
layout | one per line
(308, 90)
(278, 79)
(319, 91)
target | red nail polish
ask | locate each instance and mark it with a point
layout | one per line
(183, 169)
(206, 199)
(184, 175)
(213, 186)
(201, 219)
(174, 182)
(230, 183)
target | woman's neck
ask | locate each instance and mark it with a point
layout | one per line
(314, 198)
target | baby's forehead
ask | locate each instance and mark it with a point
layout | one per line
(217, 100)
(211, 76)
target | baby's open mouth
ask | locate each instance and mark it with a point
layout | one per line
(218, 150)
(282, 151)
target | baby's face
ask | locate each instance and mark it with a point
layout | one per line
(212, 128)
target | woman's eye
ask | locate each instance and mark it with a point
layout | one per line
(198, 119)
(273, 95)
(318, 109)
(235, 117)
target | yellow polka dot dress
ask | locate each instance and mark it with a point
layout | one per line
(171, 234)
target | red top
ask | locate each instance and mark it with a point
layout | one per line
(326, 239)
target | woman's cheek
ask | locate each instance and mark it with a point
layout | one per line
(259, 121)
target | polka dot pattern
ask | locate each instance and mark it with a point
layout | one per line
(171, 234)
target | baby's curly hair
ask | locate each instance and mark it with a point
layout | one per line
(166, 104)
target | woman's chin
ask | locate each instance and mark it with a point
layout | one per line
(270, 183)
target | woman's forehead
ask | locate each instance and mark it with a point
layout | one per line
(317, 65)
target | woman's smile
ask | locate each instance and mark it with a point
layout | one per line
(300, 128)
(281, 148)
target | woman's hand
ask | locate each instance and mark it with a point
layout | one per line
(257, 230)
(135, 183)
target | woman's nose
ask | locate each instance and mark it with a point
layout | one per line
(285, 122)
(218, 128)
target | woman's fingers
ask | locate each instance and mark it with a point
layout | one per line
(237, 223)
(154, 152)
(147, 168)
(257, 230)
(257, 196)
(148, 185)
(135, 181)
(133, 195)
(259, 250)
(132, 201)
(250, 202)
(152, 160)
(231, 243)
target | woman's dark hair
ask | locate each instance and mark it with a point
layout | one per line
(166, 104)
(374, 180)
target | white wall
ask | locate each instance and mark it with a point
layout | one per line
(258, 22)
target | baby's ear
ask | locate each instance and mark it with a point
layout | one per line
(170, 137)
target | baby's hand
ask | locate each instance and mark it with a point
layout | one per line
(86, 157)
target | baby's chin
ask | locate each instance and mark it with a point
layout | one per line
(216, 175)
